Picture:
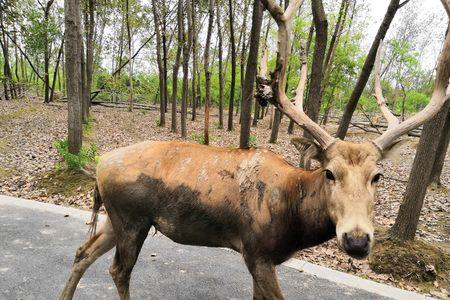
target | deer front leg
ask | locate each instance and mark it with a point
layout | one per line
(265, 282)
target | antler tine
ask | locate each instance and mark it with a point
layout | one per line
(299, 92)
(284, 22)
(388, 115)
(438, 98)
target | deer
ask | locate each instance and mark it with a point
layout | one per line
(248, 200)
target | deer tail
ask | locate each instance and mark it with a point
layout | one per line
(95, 209)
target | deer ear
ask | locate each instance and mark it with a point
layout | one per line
(308, 148)
(393, 152)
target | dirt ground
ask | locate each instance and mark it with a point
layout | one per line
(30, 167)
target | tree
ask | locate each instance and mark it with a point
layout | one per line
(393, 7)
(7, 80)
(221, 77)
(161, 77)
(406, 223)
(320, 45)
(207, 70)
(441, 152)
(233, 67)
(89, 29)
(176, 65)
(195, 78)
(130, 64)
(250, 74)
(73, 40)
(187, 44)
(46, 9)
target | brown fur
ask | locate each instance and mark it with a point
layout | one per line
(252, 201)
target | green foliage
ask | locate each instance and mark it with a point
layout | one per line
(87, 127)
(198, 137)
(414, 101)
(252, 141)
(76, 161)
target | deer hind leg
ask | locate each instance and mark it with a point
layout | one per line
(99, 244)
(265, 282)
(129, 244)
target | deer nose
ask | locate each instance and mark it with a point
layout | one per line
(356, 246)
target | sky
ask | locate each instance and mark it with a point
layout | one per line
(431, 12)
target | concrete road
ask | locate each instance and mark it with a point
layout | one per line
(38, 242)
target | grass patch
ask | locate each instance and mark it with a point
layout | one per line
(415, 261)
(65, 182)
(4, 118)
(5, 172)
(3, 146)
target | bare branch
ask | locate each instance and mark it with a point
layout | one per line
(403, 3)
(388, 115)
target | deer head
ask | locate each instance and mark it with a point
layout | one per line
(350, 171)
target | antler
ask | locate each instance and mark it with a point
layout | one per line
(298, 99)
(388, 115)
(440, 95)
(279, 97)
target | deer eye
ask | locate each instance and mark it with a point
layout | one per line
(376, 178)
(329, 175)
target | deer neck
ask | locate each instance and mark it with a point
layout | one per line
(311, 221)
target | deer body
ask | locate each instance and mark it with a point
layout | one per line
(217, 197)
(249, 200)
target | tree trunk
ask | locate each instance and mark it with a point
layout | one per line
(207, 70)
(85, 104)
(441, 152)
(55, 72)
(186, 53)
(233, 67)
(221, 79)
(315, 91)
(6, 66)
(275, 126)
(46, 52)
(90, 47)
(367, 69)
(338, 27)
(250, 74)
(73, 65)
(407, 220)
(165, 49)
(195, 78)
(159, 57)
(130, 58)
(176, 65)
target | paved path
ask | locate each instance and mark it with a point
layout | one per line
(38, 242)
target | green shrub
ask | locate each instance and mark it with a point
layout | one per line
(252, 141)
(87, 127)
(198, 137)
(76, 161)
(415, 101)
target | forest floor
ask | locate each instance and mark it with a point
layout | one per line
(30, 167)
